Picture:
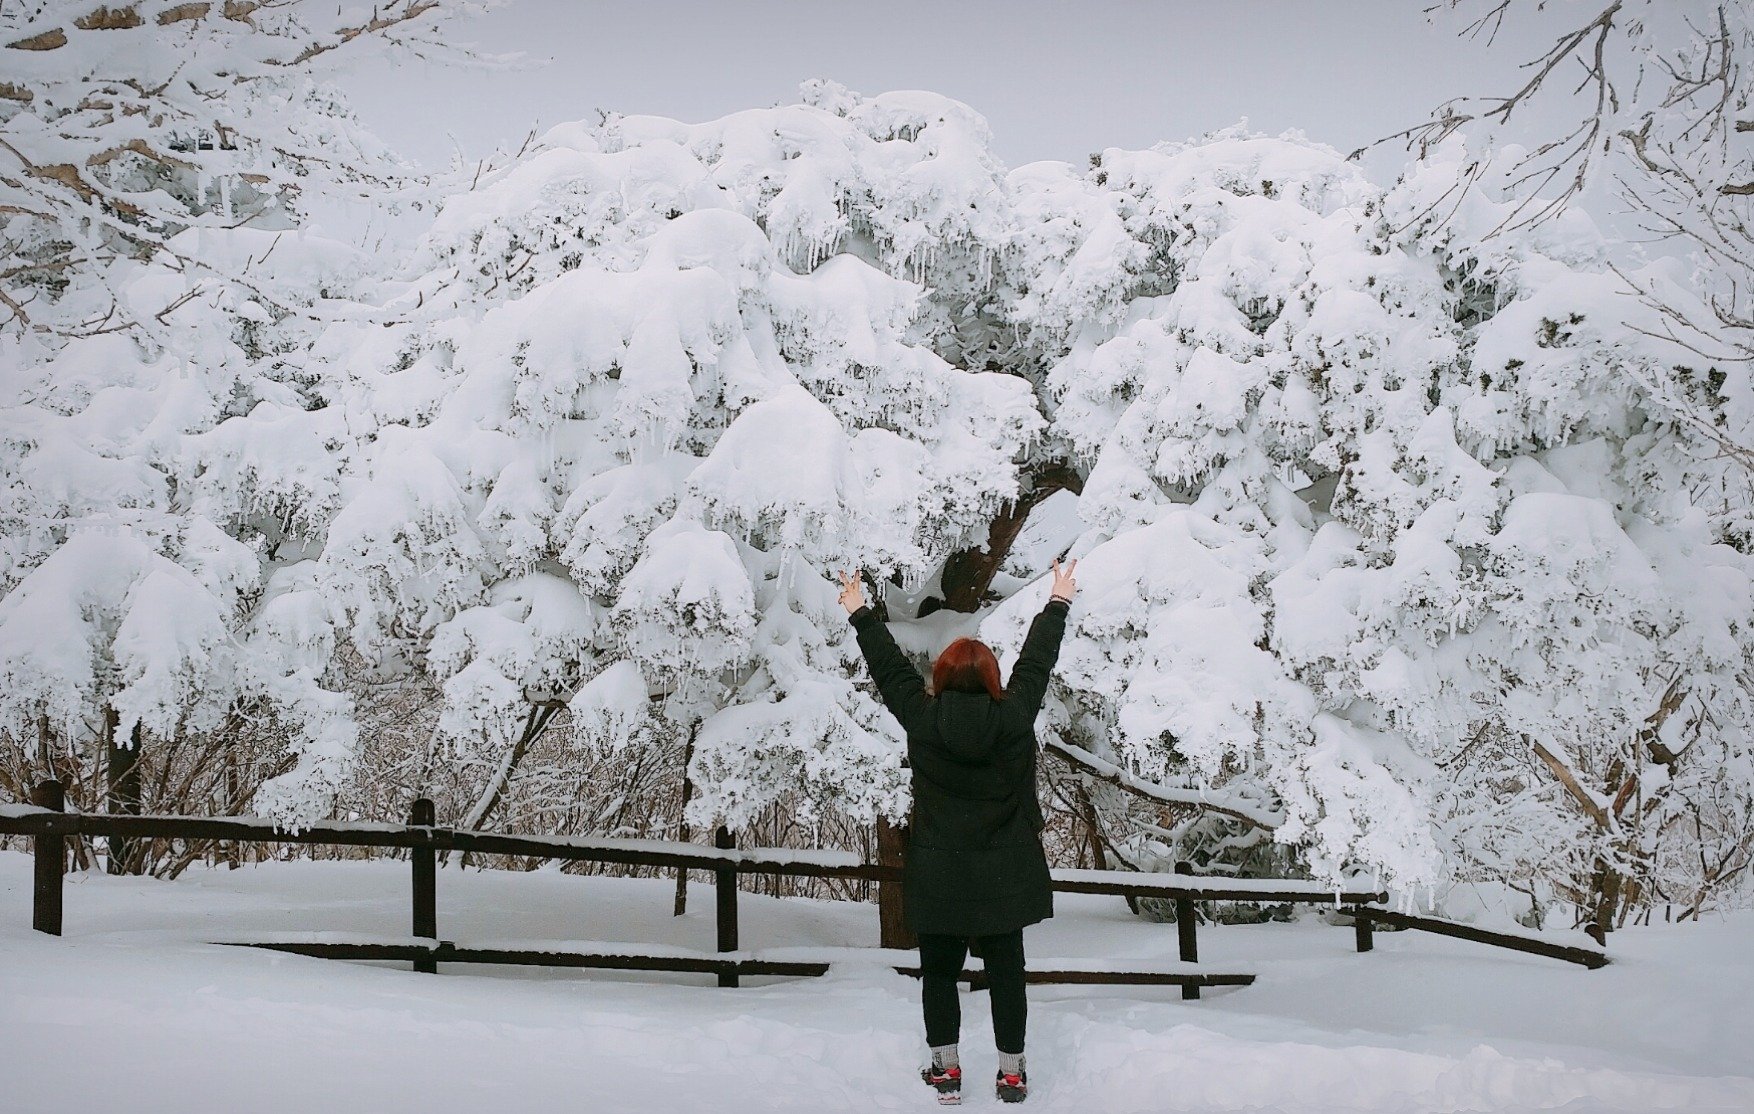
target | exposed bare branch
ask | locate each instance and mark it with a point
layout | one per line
(1573, 786)
(138, 147)
(109, 19)
(53, 39)
(378, 23)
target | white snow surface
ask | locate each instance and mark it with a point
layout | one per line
(134, 1010)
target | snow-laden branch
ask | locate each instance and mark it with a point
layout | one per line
(1103, 770)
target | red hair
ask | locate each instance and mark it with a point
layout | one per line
(967, 665)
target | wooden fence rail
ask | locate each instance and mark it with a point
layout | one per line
(1584, 955)
(815, 962)
(36, 819)
(49, 826)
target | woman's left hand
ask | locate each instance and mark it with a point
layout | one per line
(852, 595)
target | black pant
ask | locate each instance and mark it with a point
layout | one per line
(941, 962)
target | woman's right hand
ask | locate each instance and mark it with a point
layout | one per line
(1064, 586)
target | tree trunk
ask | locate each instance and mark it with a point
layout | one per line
(1092, 827)
(969, 573)
(123, 795)
(681, 905)
(1605, 898)
(892, 927)
(234, 850)
(1094, 838)
(536, 722)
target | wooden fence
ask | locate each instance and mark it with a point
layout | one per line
(49, 826)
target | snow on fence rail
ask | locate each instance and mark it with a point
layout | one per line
(49, 826)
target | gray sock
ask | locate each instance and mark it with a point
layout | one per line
(944, 1056)
(1011, 1063)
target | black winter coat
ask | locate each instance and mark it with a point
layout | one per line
(975, 865)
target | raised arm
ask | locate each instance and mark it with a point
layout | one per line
(898, 682)
(1041, 647)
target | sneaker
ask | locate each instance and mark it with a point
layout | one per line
(1012, 1088)
(946, 1081)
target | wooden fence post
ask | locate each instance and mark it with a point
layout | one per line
(893, 930)
(422, 815)
(51, 861)
(1185, 927)
(122, 795)
(725, 889)
(1365, 930)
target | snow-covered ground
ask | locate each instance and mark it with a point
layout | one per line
(133, 1011)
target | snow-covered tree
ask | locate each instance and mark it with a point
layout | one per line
(164, 456)
(1659, 99)
(1242, 350)
(1617, 587)
(1374, 550)
(1396, 557)
(655, 391)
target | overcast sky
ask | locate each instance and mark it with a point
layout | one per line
(1056, 80)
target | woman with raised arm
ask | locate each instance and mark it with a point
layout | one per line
(975, 872)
